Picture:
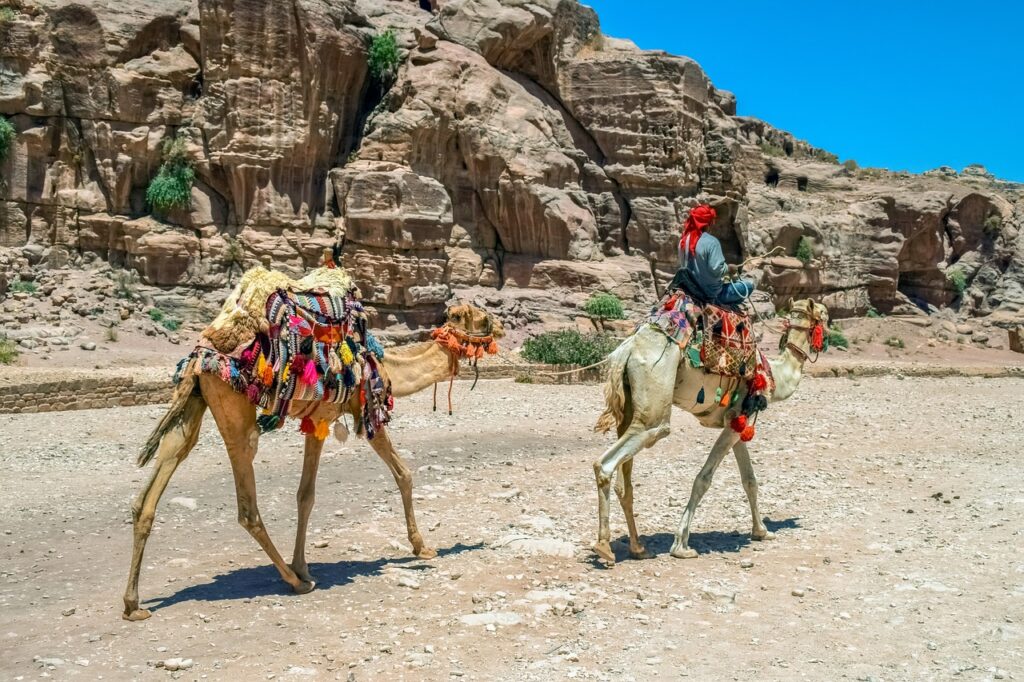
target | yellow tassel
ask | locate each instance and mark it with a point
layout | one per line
(261, 365)
(346, 354)
(322, 429)
(287, 371)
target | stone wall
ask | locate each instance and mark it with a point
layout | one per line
(31, 392)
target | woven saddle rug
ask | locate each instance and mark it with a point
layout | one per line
(719, 340)
(280, 341)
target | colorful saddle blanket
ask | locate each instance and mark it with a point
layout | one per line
(313, 347)
(719, 340)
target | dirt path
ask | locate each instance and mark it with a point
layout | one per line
(898, 504)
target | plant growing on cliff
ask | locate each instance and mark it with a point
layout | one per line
(957, 279)
(804, 250)
(769, 149)
(383, 57)
(172, 186)
(568, 347)
(7, 14)
(8, 351)
(850, 165)
(21, 287)
(993, 225)
(6, 137)
(604, 306)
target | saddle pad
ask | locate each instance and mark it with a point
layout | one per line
(728, 343)
(676, 316)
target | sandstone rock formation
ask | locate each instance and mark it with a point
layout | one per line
(519, 155)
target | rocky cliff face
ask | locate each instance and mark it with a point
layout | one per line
(518, 155)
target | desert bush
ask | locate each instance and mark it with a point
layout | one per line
(523, 379)
(993, 225)
(125, 282)
(824, 156)
(895, 342)
(837, 338)
(605, 306)
(6, 137)
(850, 165)
(170, 324)
(872, 312)
(383, 57)
(7, 14)
(804, 250)
(112, 333)
(8, 351)
(957, 279)
(20, 287)
(172, 186)
(769, 149)
(156, 314)
(568, 347)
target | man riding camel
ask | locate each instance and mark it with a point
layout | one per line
(702, 266)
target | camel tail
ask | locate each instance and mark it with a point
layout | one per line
(614, 388)
(184, 393)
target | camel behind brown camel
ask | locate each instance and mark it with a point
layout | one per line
(408, 369)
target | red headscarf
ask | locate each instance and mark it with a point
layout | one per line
(699, 219)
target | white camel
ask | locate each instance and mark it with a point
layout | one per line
(647, 374)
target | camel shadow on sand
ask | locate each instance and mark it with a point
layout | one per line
(710, 542)
(264, 581)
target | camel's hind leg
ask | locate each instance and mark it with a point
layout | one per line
(624, 491)
(382, 445)
(236, 420)
(680, 548)
(759, 531)
(305, 498)
(174, 448)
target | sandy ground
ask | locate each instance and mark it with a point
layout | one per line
(898, 507)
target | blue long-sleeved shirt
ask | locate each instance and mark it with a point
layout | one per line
(706, 269)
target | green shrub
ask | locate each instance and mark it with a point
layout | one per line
(957, 278)
(156, 314)
(872, 312)
(605, 307)
(170, 324)
(804, 250)
(7, 14)
(825, 156)
(523, 379)
(21, 287)
(769, 149)
(6, 136)
(172, 186)
(383, 57)
(8, 351)
(895, 342)
(568, 347)
(850, 165)
(993, 225)
(837, 338)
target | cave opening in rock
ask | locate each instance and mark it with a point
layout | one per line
(771, 178)
(801, 184)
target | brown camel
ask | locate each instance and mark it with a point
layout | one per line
(409, 369)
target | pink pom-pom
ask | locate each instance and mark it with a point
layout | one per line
(309, 376)
(253, 392)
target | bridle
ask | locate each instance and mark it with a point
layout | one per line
(813, 324)
(463, 344)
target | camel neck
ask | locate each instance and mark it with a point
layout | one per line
(788, 367)
(415, 366)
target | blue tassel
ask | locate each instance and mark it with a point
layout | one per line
(267, 422)
(700, 396)
(348, 377)
(374, 346)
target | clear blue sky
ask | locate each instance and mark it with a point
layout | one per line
(901, 84)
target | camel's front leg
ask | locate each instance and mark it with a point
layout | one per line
(630, 443)
(759, 531)
(382, 445)
(680, 548)
(305, 498)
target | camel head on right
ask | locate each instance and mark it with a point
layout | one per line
(807, 317)
(473, 322)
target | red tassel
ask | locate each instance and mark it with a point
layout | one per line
(758, 383)
(248, 355)
(738, 424)
(492, 347)
(253, 392)
(298, 365)
(818, 337)
(747, 434)
(309, 374)
(307, 425)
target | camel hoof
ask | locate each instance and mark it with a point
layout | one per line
(762, 535)
(604, 550)
(304, 587)
(426, 553)
(684, 553)
(641, 553)
(302, 574)
(136, 614)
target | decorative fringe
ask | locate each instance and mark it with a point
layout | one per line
(307, 426)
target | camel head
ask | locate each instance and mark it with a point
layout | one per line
(473, 322)
(810, 319)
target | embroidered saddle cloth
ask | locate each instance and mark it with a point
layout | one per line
(719, 340)
(306, 345)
